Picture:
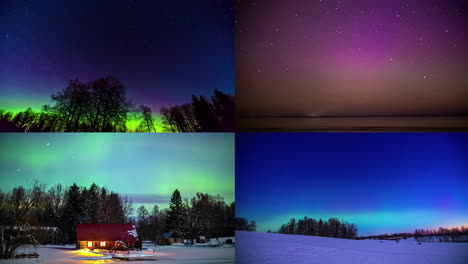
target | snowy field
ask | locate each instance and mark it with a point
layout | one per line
(176, 254)
(253, 247)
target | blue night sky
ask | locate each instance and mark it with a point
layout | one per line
(383, 182)
(163, 51)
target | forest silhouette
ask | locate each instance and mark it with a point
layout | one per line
(311, 227)
(102, 106)
(339, 229)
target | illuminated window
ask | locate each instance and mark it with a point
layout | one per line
(103, 243)
(90, 243)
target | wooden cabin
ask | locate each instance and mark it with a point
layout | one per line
(103, 236)
(174, 236)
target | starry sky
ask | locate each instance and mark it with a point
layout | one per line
(162, 51)
(351, 57)
(382, 182)
(146, 167)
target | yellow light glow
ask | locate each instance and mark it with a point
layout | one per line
(103, 243)
(87, 253)
(90, 244)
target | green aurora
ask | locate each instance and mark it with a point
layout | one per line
(138, 165)
(132, 124)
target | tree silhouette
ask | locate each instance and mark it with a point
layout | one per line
(311, 227)
(202, 115)
(147, 123)
(176, 212)
(73, 212)
(14, 211)
(98, 106)
(243, 224)
(101, 106)
(224, 108)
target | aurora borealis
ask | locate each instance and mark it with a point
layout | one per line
(147, 167)
(382, 182)
(319, 58)
(162, 51)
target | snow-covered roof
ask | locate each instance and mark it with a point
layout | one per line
(170, 233)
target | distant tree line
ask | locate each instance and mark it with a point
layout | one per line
(311, 227)
(386, 236)
(243, 224)
(202, 215)
(454, 234)
(102, 106)
(202, 115)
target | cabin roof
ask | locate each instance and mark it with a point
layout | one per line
(173, 234)
(106, 232)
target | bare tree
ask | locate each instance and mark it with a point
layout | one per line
(14, 228)
(147, 122)
(127, 207)
(193, 222)
(57, 198)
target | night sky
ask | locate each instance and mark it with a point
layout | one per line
(351, 57)
(163, 51)
(382, 182)
(147, 167)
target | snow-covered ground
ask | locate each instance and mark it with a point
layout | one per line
(221, 241)
(176, 254)
(253, 247)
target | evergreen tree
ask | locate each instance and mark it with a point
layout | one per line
(175, 217)
(224, 108)
(73, 213)
(115, 209)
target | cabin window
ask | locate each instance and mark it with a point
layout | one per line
(102, 244)
(90, 243)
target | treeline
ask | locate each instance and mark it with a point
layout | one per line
(23, 210)
(102, 106)
(386, 236)
(243, 224)
(454, 234)
(97, 106)
(311, 227)
(202, 115)
(202, 215)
